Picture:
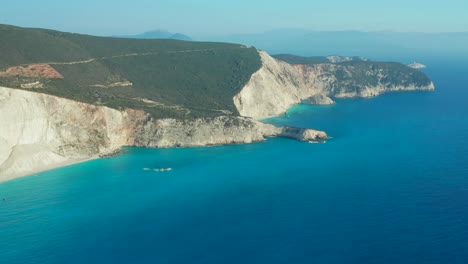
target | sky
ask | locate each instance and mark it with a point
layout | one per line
(219, 17)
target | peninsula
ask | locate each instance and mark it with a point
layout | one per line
(66, 97)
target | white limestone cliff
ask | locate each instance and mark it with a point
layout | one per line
(39, 132)
(277, 86)
(271, 90)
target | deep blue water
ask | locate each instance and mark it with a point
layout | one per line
(390, 187)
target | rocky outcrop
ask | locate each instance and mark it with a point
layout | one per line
(338, 59)
(214, 131)
(278, 85)
(40, 131)
(302, 134)
(417, 65)
(319, 99)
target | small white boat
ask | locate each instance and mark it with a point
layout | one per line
(162, 169)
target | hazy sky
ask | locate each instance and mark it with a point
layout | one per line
(210, 17)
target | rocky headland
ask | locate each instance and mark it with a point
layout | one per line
(94, 97)
(279, 85)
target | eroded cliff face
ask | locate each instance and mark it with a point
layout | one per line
(349, 81)
(39, 131)
(278, 85)
(272, 89)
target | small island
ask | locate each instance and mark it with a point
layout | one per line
(417, 65)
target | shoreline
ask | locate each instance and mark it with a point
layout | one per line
(120, 151)
(285, 132)
(46, 168)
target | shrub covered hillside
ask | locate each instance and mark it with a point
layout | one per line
(293, 59)
(166, 78)
(353, 73)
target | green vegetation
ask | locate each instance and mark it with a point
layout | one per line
(169, 78)
(367, 74)
(352, 76)
(166, 78)
(293, 59)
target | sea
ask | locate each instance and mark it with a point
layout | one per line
(390, 186)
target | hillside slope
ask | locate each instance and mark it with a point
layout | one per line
(179, 79)
(167, 78)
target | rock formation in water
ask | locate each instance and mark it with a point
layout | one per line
(318, 99)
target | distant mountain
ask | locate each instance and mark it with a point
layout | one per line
(180, 36)
(158, 34)
(374, 45)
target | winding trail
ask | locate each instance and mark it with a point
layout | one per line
(156, 104)
(129, 55)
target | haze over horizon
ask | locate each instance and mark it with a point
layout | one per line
(240, 131)
(205, 17)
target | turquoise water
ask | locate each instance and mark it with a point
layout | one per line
(390, 187)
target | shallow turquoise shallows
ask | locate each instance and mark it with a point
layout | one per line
(390, 187)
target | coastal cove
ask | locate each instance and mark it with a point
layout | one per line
(390, 186)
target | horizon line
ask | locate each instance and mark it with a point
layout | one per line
(306, 30)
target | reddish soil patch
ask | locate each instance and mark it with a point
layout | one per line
(33, 70)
